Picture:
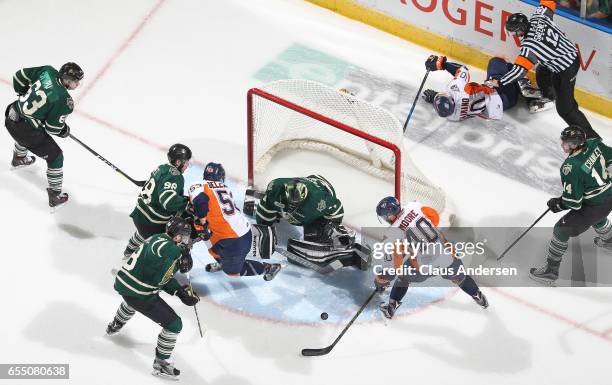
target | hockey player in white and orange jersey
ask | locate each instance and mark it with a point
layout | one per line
(226, 231)
(464, 99)
(416, 224)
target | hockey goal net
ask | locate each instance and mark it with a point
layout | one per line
(299, 114)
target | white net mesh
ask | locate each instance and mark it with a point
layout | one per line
(277, 128)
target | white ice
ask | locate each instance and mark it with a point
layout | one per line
(160, 72)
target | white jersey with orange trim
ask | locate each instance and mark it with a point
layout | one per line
(416, 228)
(216, 202)
(473, 99)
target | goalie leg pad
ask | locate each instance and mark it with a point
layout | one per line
(326, 255)
(323, 231)
(263, 243)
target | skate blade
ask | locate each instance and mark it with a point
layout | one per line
(54, 209)
(535, 110)
(160, 374)
(13, 168)
(544, 281)
(531, 94)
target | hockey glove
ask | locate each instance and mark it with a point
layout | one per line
(435, 63)
(381, 283)
(185, 262)
(64, 132)
(186, 296)
(202, 231)
(555, 205)
(429, 95)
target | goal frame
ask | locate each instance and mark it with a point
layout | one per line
(256, 92)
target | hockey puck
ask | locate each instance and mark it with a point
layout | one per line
(324, 316)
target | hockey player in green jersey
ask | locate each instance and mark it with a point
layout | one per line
(161, 197)
(587, 193)
(311, 202)
(150, 270)
(38, 114)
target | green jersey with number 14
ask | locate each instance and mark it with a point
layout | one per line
(44, 102)
(161, 197)
(585, 177)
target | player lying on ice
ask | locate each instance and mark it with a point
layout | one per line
(227, 233)
(416, 223)
(310, 202)
(464, 99)
(149, 270)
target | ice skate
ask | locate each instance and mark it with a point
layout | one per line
(165, 368)
(604, 244)
(56, 199)
(539, 105)
(481, 299)
(528, 90)
(546, 274)
(213, 267)
(388, 309)
(113, 327)
(21, 161)
(271, 269)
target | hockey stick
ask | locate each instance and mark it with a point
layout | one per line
(139, 183)
(324, 351)
(416, 99)
(522, 235)
(195, 309)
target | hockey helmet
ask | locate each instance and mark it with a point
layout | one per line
(574, 136)
(178, 226)
(296, 193)
(215, 172)
(179, 152)
(517, 22)
(444, 105)
(71, 71)
(387, 209)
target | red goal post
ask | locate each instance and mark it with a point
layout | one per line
(353, 131)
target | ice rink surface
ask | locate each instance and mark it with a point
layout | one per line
(160, 72)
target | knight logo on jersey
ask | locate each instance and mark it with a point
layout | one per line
(567, 168)
(321, 206)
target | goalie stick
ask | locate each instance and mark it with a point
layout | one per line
(327, 349)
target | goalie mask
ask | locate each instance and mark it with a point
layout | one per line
(296, 193)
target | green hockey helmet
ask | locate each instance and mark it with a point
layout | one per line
(296, 193)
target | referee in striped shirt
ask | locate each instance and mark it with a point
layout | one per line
(543, 43)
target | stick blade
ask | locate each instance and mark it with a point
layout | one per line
(316, 352)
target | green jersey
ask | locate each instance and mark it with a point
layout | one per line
(585, 177)
(150, 269)
(44, 102)
(321, 202)
(161, 197)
